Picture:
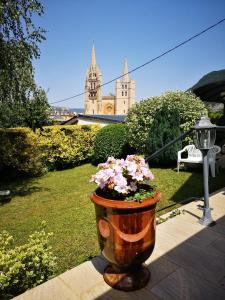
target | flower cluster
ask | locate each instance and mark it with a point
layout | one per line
(123, 176)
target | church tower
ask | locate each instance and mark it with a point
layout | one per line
(125, 92)
(93, 91)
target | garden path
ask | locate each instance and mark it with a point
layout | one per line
(188, 262)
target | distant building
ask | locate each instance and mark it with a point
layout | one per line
(101, 120)
(118, 104)
(60, 113)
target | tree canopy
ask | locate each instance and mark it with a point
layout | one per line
(142, 114)
(19, 45)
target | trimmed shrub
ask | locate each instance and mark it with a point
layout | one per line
(164, 128)
(54, 147)
(66, 146)
(141, 116)
(111, 140)
(20, 152)
(24, 267)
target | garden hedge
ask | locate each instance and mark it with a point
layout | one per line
(20, 152)
(67, 146)
(54, 147)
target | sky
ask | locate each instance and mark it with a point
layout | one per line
(138, 30)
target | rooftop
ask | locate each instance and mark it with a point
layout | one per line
(115, 118)
(188, 262)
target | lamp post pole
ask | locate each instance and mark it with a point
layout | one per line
(205, 139)
(206, 219)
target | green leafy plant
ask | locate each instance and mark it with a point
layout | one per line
(54, 147)
(111, 140)
(66, 146)
(164, 128)
(141, 116)
(20, 152)
(24, 267)
(141, 195)
(22, 103)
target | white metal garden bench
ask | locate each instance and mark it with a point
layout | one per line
(194, 156)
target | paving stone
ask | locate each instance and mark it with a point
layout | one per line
(193, 232)
(81, 278)
(103, 292)
(182, 284)
(159, 269)
(218, 245)
(207, 263)
(219, 227)
(53, 289)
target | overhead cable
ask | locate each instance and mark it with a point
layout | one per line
(148, 62)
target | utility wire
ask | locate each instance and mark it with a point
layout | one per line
(148, 62)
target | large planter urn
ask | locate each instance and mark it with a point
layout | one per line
(126, 232)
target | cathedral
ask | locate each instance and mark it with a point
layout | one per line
(118, 104)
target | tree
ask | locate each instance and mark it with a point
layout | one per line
(19, 40)
(37, 110)
(142, 114)
(164, 128)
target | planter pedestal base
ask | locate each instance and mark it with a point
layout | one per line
(127, 280)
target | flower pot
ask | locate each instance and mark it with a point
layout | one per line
(126, 232)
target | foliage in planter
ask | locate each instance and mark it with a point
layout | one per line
(66, 146)
(20, 152)
(164, 128)
(24, 267)
(111, 140)
(141, 116)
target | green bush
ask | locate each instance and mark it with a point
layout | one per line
(24, 267)
(164, 128)
(20, 152)
(216, 117)
(111, 140)
(141, 116)
(66, 146)
(54, 147)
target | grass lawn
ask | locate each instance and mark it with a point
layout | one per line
(62, 199)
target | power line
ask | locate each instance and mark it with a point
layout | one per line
(148, 62)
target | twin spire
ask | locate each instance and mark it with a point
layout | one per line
(93, 60)
(125, 77)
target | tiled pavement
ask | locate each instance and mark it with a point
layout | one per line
(188, 262)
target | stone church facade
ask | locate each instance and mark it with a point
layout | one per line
(118, 104)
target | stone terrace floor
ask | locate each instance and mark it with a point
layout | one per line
(188, 262)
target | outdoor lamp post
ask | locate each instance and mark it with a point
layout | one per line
(205, 139)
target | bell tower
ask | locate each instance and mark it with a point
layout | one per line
(125, 92)
(93, 91)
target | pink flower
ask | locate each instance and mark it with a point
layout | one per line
(122, 175)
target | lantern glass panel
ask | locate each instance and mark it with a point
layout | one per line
(205, 138)
(212, 137)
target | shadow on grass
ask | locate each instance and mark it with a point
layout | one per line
(21, 186)
(193, 187)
